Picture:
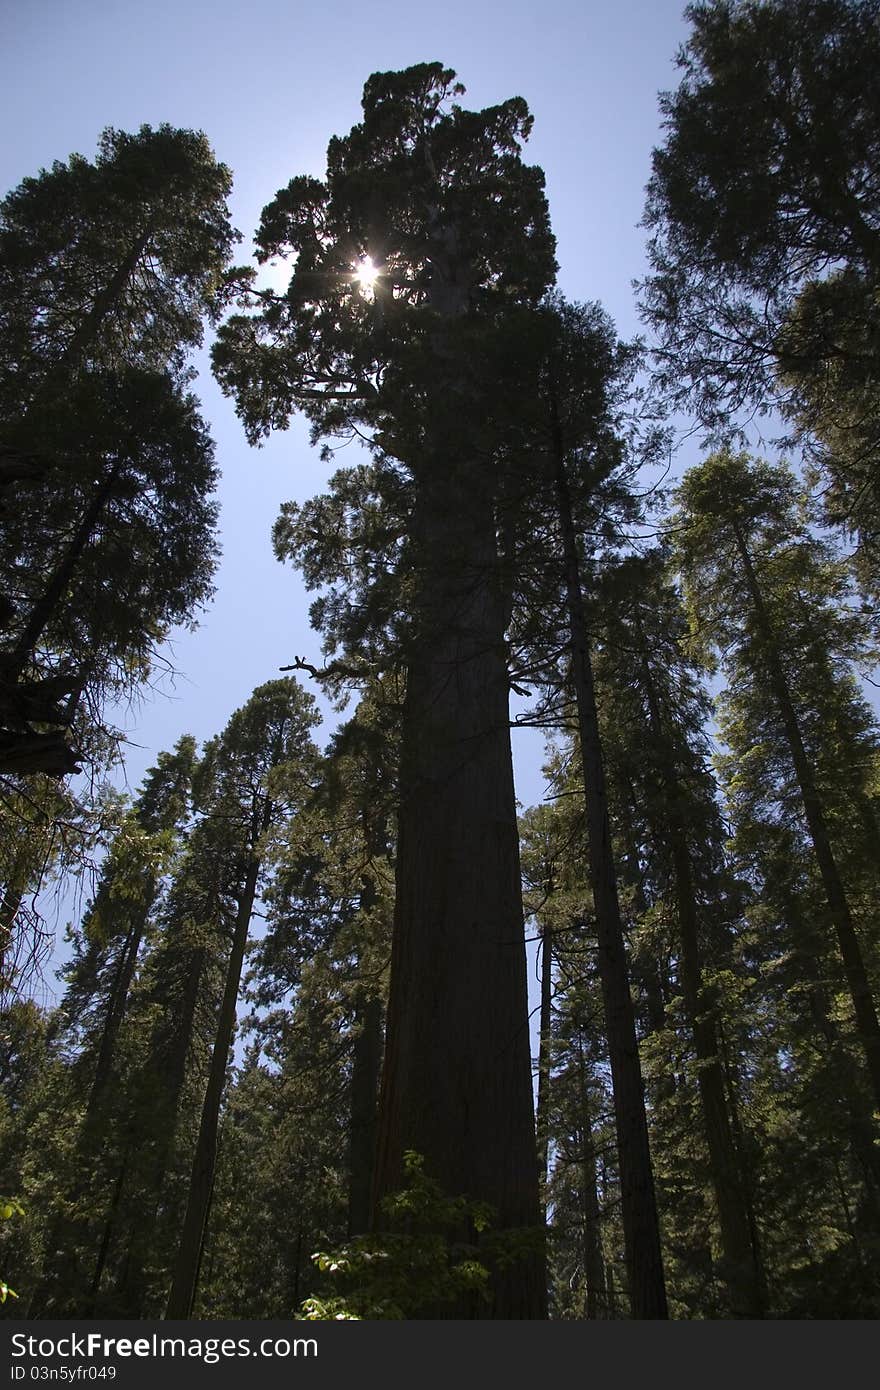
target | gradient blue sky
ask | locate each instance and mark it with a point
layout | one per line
(270, 83)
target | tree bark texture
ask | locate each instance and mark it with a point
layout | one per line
(457, 1079)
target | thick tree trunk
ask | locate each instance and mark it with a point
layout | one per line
(456, 1086)
(856, 974)
(638, 1200)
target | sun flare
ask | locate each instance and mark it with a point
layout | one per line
(365, 274)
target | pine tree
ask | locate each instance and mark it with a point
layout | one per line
(764, 589)
(665, 810)
(565, 496)
(100, 978)
(108, 270)
(259, 766)
(170, 1030)
(586, 1242)
(107, 265)
(318, 983)
(764, 204)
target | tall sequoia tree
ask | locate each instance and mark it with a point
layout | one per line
(433, 205)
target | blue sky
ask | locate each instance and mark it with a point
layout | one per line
(270, 83)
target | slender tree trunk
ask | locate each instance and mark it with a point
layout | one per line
(638, 1199)
(66, 1231)
(862, 802)
(175, 1073)
(870, 829)
(106, 1238)
(63, 1290)
(542, 1111)
(861, 1125)
(44, 609)
(10, 903)
(366, 1069)
(186, 1269)
(857, 980)
(88, 329)
(741, 1269)
(653, 984)
(367, 1057)
(848, 1219)
(297, 1266)
(117, 1005)
(130, 1286)
(612, 1291)
(27, 468)
(594, 1263)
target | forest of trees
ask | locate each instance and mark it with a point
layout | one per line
(291, 1073)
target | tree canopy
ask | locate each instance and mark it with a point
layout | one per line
(764, 210)
(107, 272)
